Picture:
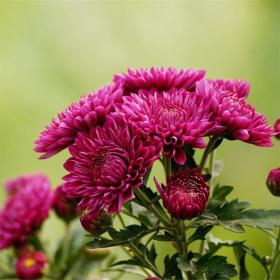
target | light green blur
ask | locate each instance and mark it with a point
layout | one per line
(53, 52)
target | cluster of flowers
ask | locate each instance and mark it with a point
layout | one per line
(116, 133)
(29, 201)
(114, 136)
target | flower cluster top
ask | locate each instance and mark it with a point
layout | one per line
(115, 134)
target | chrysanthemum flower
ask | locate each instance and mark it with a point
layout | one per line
(64, 208)
(25, 210)
(241, 121)
(15, 184)
(178, 117)
(185, 195)
(107, 164)
(90, 111)
(239, 87)
(273, 181)
(160, 79)
(31, 265)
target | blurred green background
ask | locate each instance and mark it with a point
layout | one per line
(53, 52)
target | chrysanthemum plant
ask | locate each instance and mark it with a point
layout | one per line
(116, 134)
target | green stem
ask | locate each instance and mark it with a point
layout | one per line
(147, 203)
(139, 254)
(275, 255)
(211, 170)
(142, 268)
(65, 246)
(168, 167)
(207, 151)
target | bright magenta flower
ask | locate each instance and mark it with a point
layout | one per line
(25, 210)
(159, 79)
(241, 121)
(277, 129)
(107, 165)
(90, 111)
(185, 195)
(273, 181)
(64, 208)
(15, 184)
(239, 87)
(30, 265)
(178, 117)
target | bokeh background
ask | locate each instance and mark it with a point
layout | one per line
(53, 52)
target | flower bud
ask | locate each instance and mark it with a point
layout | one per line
(30, 265)
(277, 129)
(64, 207)
(186, 194)
(273, 181)
(96, 225)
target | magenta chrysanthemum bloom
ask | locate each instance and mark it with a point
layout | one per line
(64, 208)
(160, 79)
(241, 121)
(31, 265)
(107, 165)
(90, 111)
(277, 129)
(273, 181)
(185, 195)
(96, 225)
(239, 87)
(25, 210)
(13, 185)
(178, 117)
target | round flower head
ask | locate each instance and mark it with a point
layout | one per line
(25, 211)
(178, 117)
(13, 185)
(185, 195)
(30, 265)
(273, 181)
(241, 121)
(107, 165)
(64, 208)
(96, 225)
(277, 129)
(90, 111)
(160, 79)
(239, 87)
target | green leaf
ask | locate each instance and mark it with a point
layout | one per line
(151, 254)
(133, 261)
(165, 237)
(207, 267)
(124, 236)
(171, 268)
(265, 219)
(199, 234)
(215, 267)
(128, 234)
(240, 250)
(144, 219)
(233, 215)
(186, 265)
(104, 243)
(221, 192)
